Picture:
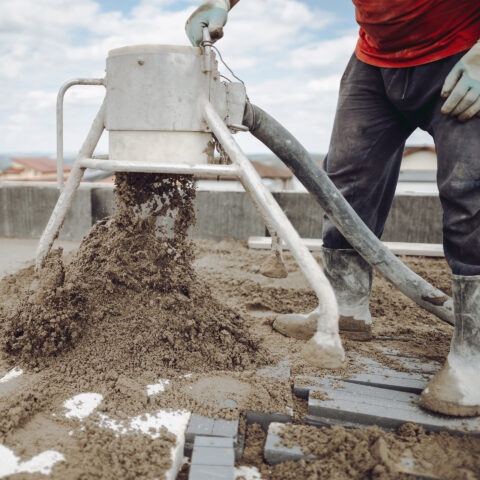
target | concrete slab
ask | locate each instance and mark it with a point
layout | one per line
(398, 381)
(225, 428)
(208, 472)
(214, 442)
(213, 428)
(416, 366)
(209, 427)
(238, 446)
(275, 453)
(214, 456)
(265, 419)
(198, 425)
(361, 405)
(377, 376)
(428, 367)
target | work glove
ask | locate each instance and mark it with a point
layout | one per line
(462, 86)
(212, 14)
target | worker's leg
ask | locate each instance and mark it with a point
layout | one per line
(456, 389)
(363, 161)
(366, 148)
(458, 153)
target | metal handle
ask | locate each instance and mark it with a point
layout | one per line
(206, 35)
(60, 98)
(207, 50)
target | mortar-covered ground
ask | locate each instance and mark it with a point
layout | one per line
(33, 409)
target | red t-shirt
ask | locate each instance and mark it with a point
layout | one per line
(403, 33)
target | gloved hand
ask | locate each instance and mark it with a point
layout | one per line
(462, 86)
(212, 14)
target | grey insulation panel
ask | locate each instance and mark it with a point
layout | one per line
(208, 472)
(362, 405)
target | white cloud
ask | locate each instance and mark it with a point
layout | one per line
(322, 54)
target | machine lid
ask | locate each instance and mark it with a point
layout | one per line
(152, 48)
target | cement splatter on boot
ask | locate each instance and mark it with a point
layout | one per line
(274, 267)
(324, 351)
(351, 279)
(296, 325)
(455, 390)
(355, 329)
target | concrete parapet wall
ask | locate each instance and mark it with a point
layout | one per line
(26, 207)
(415, 218)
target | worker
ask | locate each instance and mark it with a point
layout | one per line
(416, 64)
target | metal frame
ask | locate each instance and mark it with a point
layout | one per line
(241, 167)
(60, 99)
(278, 224)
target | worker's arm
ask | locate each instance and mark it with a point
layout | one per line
(212, 14)
(462, 86)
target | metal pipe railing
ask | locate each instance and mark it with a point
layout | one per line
(60, 99)
(143, 167)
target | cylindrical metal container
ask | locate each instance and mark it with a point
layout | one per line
(153, 104)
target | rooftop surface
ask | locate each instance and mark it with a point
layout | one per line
(19, 253)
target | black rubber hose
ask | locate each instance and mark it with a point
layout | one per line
(283, 144)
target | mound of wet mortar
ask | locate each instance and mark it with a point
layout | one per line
(130, 299)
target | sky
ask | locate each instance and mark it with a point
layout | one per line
(290, 53)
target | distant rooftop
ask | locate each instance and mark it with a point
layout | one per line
(42, 165)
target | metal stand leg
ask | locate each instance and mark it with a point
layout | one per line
(273, 266)
(64, 202)
(327, 336)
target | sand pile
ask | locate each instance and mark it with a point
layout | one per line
(130, 296)
(127, 310)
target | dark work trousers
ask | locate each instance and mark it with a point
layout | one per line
(377, 110)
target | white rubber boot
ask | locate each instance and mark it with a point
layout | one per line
(351, 279)
(455, 390)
